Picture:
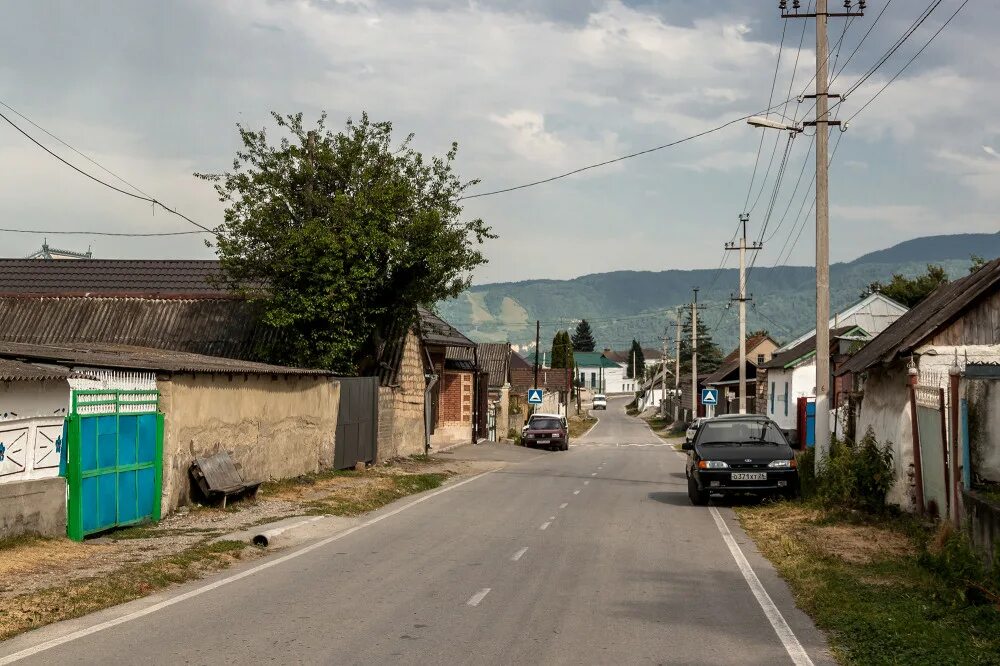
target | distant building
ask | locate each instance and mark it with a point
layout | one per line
(54, 253)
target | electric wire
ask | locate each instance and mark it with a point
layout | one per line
(103, 233)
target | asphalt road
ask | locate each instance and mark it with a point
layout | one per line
(593, 556)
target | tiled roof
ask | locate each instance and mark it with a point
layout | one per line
(732, 361)
(943, 305)
(128, 357)
(436, 331)
(222, 327)
(156, 278)
(550, 379)
(786, 358)
(494, 358)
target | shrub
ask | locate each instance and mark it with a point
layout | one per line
(807, 472)
(857, 476)
(951, 556)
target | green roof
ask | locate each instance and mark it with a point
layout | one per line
(593, 360)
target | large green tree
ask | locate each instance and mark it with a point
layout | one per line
(562, 350)
(636, 361)
(583, 337)
(709, 355)
(339, 236)
(910, 291)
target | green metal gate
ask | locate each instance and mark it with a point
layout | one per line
(114, 463)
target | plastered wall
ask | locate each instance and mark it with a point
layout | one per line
(401, 424)
(273, 426)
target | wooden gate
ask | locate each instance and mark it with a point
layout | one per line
(357, 422)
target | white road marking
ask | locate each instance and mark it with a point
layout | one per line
(564, 505)
(587, 482)
(785, 634)
(544, 526)
(477, 597)
(552, 517)
(576, 492)
(519, 554)
(593, 474)
(149, 610)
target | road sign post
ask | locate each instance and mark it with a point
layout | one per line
(709, 397)
(534, 396)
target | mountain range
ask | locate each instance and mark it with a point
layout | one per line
(622, 305)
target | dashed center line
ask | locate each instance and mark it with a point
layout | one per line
(593, 474)
(564, 505)
(576, 492)
(519, 554)
(477, 597)
(587, 482)
(552, 517)
(544, 526)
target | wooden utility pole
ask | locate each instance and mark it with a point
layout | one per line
(742, 298)
(822, 124)
(677, 371)
(663, 377)
(694, 355)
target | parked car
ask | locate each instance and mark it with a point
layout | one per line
(600, 401)
(549, 431)
(737, 455)
(539, 415)
(692, 429)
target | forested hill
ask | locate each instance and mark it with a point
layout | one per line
(634, 304)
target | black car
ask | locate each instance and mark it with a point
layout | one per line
(547, 431)
(740, 454)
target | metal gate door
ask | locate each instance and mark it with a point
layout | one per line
(933, 450)
(114, 459)
(357, 422)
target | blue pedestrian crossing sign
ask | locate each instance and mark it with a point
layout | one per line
(710, 396)
(534, 396)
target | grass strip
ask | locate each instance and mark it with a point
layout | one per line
(383, 489)
(580, 425)
(861, 580)
(78, 598)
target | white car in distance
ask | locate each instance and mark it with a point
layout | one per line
(600, 402)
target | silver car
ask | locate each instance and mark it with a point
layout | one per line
(693, 429)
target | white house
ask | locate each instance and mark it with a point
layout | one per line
(602, 375)
(873, 313)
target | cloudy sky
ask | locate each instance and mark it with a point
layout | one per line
(529, 89)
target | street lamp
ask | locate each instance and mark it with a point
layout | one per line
(761, 121)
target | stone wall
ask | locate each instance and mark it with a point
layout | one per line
(401, 425)
(33, 507)
(274, 426)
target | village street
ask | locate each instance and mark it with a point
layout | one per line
(590, 556)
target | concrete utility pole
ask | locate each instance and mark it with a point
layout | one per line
(663, 378)
(677, 371)
(538, 328)
(694, 355)
(742, 298)
(822, 124)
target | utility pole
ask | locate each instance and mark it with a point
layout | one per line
(694, 355)
(677, 370)
(663, 378)
(538, 326)
(742, 298)
(822, 123)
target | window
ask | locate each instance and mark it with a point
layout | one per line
(593, 380)
(772, 397)
(760, 359)
(786, 398)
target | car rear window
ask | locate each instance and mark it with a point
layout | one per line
(545, 424)
(740, 432)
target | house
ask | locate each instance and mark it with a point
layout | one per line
(759, 350)
(127, 422)
(599, 374)
(874, 314)
(789, 378)
(930, 386)
(494, 359)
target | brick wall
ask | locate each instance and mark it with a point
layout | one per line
(456, 398)
(401, 407)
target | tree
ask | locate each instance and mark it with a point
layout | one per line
(583, 337)
(562, 350)
(977, 263)
(709, 354)
(636, 361)
(763, 332)
(910, 291)
(338, 237)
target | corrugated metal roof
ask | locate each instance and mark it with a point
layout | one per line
(805, 347)
(592, 360)
(155, 278)
(128, 357)
(222, 327)
(436, 331)
(942, 306)
(494, 359)
(11, 370)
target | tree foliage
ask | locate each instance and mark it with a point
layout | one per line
(583, 337)
(562, 350)
(910, 291)
(339, 236)
(636, 361)
(709, 355)
(977, 263)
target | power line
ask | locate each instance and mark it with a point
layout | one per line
(94, 178)
(860, 42)
(910, 61)
(104, 233)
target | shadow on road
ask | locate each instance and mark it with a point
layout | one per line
(673, 499)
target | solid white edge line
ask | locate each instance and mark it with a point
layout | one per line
(785, 634)
(544, 526)
(477, 597)
(519, 554)
(81, 633)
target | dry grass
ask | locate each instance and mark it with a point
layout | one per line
(580, 425)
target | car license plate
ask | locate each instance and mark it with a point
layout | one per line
(542, 441)
(749, 476)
